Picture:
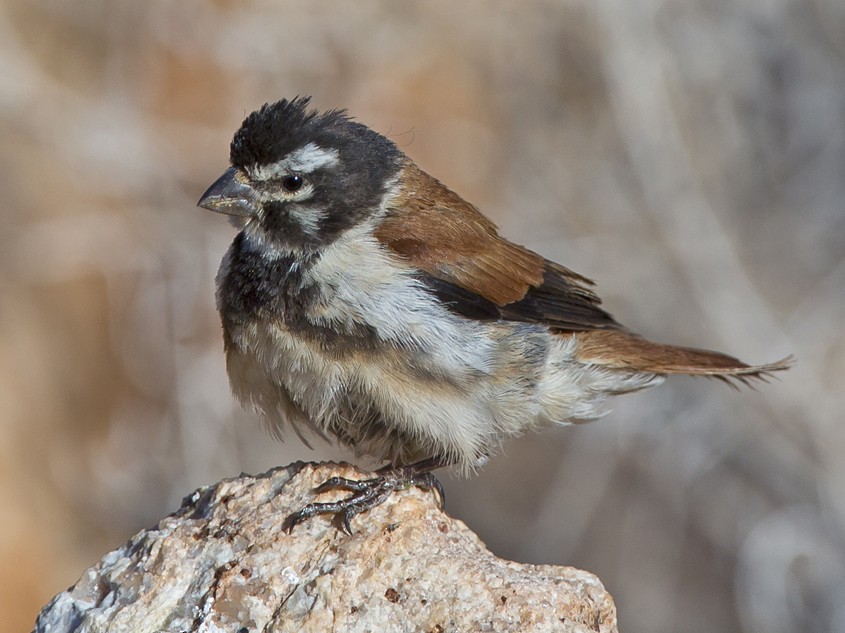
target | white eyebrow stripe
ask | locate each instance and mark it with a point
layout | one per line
(311, 157)
(302, 161)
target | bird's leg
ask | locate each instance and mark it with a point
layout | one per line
(368, 493)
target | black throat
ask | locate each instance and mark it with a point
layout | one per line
(252, 284)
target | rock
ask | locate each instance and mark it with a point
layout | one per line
(223, 563)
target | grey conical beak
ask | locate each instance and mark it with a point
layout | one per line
(229, 196)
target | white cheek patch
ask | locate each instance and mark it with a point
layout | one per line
(308, 219)
(304, 160)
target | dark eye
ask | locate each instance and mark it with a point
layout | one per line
(292, 184)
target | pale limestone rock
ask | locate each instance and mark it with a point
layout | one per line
(223, 563)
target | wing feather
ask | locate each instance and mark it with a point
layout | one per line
(461, 256)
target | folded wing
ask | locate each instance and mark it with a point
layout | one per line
(461, 258)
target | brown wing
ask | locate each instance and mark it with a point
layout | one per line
(463, 260)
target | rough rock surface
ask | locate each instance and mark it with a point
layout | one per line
(223, 563)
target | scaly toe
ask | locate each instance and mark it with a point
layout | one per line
(367, 494)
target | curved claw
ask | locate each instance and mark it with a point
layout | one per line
(296, 518)
(346, 526)
(428, 481)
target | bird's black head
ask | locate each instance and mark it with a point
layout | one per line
(300, 178)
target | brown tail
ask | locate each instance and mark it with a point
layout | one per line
(625, 350)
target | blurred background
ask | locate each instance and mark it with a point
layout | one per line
(688, 155)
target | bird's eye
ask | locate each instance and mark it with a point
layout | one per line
(292, 184)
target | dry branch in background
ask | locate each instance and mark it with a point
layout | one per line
(222, 562)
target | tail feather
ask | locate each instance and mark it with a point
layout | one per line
(625, 350)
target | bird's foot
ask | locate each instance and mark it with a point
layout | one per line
(368, 493)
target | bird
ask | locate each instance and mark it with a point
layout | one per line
(363, 301)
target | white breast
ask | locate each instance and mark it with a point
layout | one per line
(368, 285)
(425, 376)
(447, 385)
